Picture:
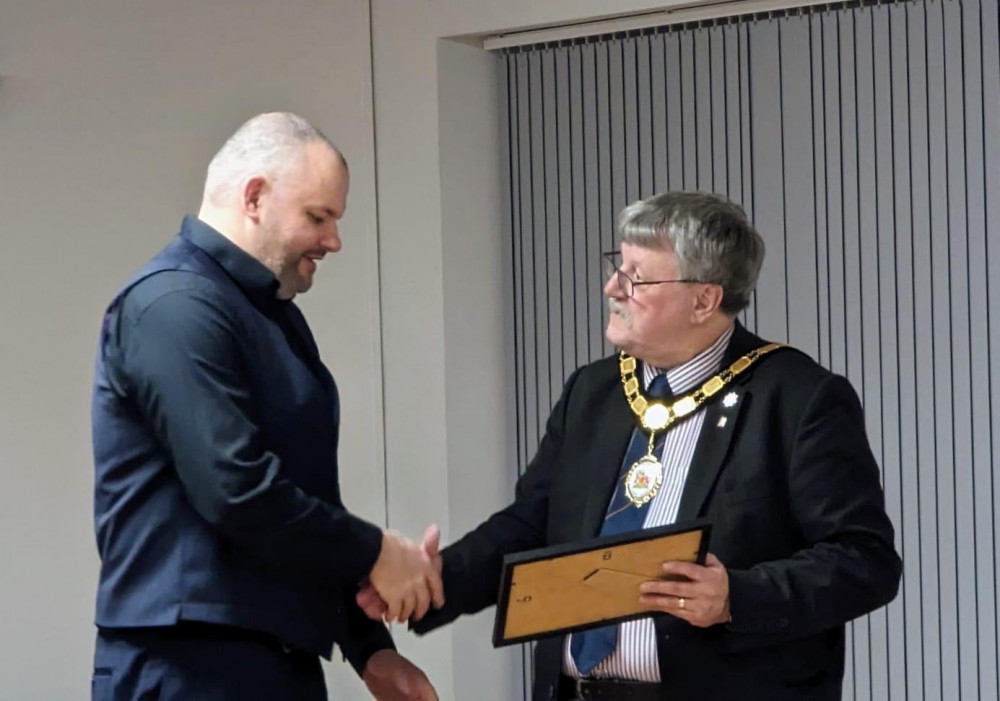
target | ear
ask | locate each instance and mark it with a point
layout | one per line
(706, 302)
(253, 190)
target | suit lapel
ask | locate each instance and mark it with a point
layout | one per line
(602, 459)
(603, 463)
(721, 417)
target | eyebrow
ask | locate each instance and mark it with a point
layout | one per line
(633, 268)
(326, 210)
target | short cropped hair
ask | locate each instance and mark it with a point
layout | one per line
(269, 144)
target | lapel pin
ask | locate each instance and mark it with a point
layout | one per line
(729, 401)
(722, 421)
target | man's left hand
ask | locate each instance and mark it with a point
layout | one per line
(391, 677)
(701, 598)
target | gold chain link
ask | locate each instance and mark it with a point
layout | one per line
(656, 416)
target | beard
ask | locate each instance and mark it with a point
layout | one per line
(273, 253)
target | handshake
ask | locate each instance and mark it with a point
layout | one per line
(406, 579)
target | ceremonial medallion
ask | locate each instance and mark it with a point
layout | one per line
(643, 480)
(645, 476)
(656, 417)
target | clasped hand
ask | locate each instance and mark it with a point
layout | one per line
(406, 578)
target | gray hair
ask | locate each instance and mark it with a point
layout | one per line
(269, 144)
(710, 235)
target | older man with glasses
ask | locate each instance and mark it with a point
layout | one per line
(778, 461)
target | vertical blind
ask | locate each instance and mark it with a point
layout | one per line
(863, 140)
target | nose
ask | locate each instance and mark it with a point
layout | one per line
(332, 241)
(612, 288)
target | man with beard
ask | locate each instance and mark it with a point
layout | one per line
(229, 563)
(768, 446)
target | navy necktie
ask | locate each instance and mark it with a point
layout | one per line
(590, 647)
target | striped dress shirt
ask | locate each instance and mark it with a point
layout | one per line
(635, 654)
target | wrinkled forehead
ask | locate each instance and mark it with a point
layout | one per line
(658, 255)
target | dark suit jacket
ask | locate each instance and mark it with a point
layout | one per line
(791, 488)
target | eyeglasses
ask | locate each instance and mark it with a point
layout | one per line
(612, 261)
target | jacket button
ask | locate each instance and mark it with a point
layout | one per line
(666, 636)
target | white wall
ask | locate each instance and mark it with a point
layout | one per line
(109, 113)
(445, 419)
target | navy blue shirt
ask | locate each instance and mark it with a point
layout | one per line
(215, 430)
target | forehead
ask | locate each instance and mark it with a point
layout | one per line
(323, 174)
(648, 258)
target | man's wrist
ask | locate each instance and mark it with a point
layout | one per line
(361, 657)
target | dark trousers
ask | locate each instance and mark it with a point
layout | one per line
(201, 662)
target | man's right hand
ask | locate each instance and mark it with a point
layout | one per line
(407, 575)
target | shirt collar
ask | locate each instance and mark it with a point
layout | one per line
(259, 283)
(689, 375)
